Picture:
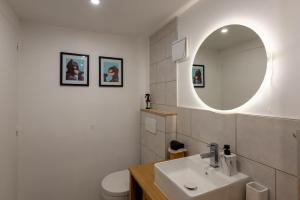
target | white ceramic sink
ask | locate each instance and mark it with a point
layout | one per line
(208, 183)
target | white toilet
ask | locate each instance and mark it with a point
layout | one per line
(115, 186)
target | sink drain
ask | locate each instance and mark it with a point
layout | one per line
(191, 186)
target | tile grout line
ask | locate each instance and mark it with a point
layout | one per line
(156, 83)
(236, 132)
(275, 189)
(266, 165)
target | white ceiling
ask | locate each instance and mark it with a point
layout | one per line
(126, 17)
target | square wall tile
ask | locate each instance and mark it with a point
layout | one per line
(192, 145)
(286, 186)
(156, 142)
(269, 141)
(211, 127)
(157, 91)
(184, 117)
(173, 36)
(171, 124)
(259, 173)
(157, 52)
(166, 71)
(171, 93)
(149, 156)
(153, 73)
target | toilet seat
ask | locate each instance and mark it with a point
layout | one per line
(116, 184)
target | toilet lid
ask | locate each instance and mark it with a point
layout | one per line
(116, 184)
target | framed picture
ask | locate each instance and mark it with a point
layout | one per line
(110, 72)
(198, 74)
(74, 69)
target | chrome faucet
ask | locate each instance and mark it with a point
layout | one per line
(213, 155)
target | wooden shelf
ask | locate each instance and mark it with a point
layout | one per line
(142, 181)
(159, 112)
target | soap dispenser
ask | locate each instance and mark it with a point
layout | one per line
(228, 161)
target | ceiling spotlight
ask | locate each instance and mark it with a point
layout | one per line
(224, 30)
(95, 2)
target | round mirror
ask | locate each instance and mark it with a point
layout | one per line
(229, 67)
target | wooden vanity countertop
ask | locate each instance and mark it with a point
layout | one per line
(144, 175)
(159, 112)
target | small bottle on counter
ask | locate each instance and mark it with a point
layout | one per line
(228, 161)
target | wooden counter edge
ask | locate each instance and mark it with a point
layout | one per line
(159, 112)
(144, 176)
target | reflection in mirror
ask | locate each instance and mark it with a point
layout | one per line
(229, 67)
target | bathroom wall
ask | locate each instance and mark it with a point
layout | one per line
(163, 89)
(9, 36)
(163, 72)
(71, 137)
(261, 133)
(266, 146)
(275, 21)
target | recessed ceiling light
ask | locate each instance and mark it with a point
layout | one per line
(95, 2)
(224, 30)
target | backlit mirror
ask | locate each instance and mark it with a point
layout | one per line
(229, 67)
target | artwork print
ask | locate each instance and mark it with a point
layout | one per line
(74, 69)
(111, 72)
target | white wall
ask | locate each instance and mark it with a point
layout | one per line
(8, 102)
(71, 137)
(276, 22)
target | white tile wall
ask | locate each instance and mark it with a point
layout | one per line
(158, 91)
(266, 146)
(163, 72)
(166, 71)
(286, 186)
(192, 145)
(157, 52)
(171, 124)
(184, 118)
(154, 145)
(171, 93)
(260, 173)
(153, 73)
(211, 127)
(169, 40)
(149, 156)
(269, 141)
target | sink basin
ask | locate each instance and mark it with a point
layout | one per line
(192, 178)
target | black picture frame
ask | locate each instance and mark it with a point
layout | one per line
(102, 72)
(200, 69)
(63, 80)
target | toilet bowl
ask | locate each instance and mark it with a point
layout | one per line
(115, 186)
